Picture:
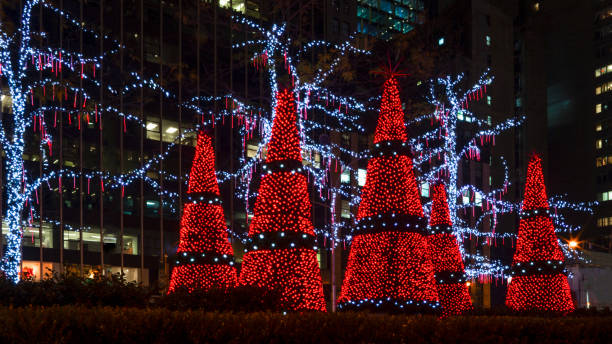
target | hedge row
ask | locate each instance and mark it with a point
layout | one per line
(115, 291)
(68, 324)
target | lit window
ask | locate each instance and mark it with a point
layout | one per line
(605, 196)
(598, 144)
(536, 6)
(251, 150)
(478, 199)
(465, 196)
(598, 108)
(489, 120)
(604, 221)
(425, 190)
(441, 41)
(603, 161)
(488, 40)
(488, 100)
(346, 210)
(598, 127)
(361, 177)
(152, 204)
(345, 177)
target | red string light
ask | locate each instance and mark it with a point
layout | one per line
(538, 279)
(448, 265)
(391, 123)
(281, 254)
(204, 258)
(389, 263)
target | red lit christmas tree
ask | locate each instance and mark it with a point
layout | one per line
(204, 258)
(448, 265)
(389, 266)
(538, 283)
(281, 255)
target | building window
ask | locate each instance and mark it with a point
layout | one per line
(599, 144)
(519, 102)
(598, 127)
(605, 196)
(604, 221)
(606, 87)
(603, 161)
(441, 41)
(603, 70)
(361, 176)
(536, 6)
(251, 150)
(425, 190)
(598, 108)
(489, 100)
(488, 40)
(345, 212)
(345, 177)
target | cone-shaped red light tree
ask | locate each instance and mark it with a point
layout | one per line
(389, 266)
(281, 255)
(448, 265)
(204, 258)
(539, 282)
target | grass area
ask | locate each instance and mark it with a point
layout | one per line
(82, 324)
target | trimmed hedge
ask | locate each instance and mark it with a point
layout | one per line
(72, 324)
(114, 291)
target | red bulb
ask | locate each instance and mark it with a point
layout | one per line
(538, 283)
(204, 258)
(389, 262)
(281, 254)
(448, 264)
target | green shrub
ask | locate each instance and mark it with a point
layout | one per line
(240, 299)
(76, 324)
(65, 289)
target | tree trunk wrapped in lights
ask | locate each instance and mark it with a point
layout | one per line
(539, 282)
(281, 253)
(389, 266)
(448, 265)
(204, 258)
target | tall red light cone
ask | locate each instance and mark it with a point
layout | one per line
(281, 255)
(448, 265)
(389, 264)
(538, 283)
(204, 258)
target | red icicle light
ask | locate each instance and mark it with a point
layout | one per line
(538, 283)
(389, 262)
(281, 255)
(204, 258)
(446, 257)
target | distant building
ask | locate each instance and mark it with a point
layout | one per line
(591, 281)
